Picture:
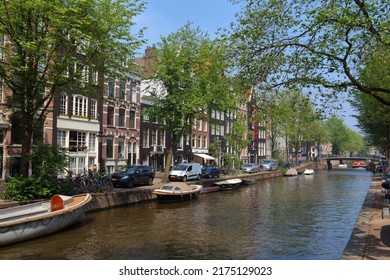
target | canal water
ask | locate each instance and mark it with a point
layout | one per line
(304, 217)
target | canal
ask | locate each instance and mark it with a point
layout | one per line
(303, 217)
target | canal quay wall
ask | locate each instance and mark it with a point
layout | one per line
(122, 197)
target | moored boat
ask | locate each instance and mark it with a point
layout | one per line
(212, 188)
(39, 219)
(343, 165)
(248, 181)
(308, 172)
(230, 184)
(359, 164)
(177, 191)
(291, 172)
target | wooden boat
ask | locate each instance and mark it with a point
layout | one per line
(230, 184)
(212, 188)
(291, 172)
(248, 181)
(308, 172)
(38, 219)
(177, 191)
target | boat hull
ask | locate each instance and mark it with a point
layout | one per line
(176, 197)
(35, 227)
(228, 185)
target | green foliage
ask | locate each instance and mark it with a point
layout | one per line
(48, 162)
(231, 161)
(43, 38)
(190, 76)
(320, 45)
(343, 139)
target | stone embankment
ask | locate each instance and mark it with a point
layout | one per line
(121, 197)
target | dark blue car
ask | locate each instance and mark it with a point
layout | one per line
(211, 171)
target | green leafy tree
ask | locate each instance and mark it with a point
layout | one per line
(373, 115)
(42, 47)
(320, 45)
(343, 139)
(190, 75)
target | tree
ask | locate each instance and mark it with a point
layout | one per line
(190, 75)
(343, 139)
(44, 43)
(373, 115)
(320, 45)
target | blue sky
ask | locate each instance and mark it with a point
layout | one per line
(163, 17)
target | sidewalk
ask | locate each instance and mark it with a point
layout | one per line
(370, 238)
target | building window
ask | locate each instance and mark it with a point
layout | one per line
(94, 76)
(110, 115)
(145, 137)
(122, 115)
(199, 141)
(61, 138)
(121, 147)
(180, 143)
(110, 147)
(205, 142)
(79, 105)
(93, 108)
(154, 137)
(92, 142)
(162, 137)
(132, 159)
(111, 88)
(132, 119)
(63, 104)
(194, 141)
(91, 162)
(133, 93)
(122, 90)
(77, 141)
(77, 165)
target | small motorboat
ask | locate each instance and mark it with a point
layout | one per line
(343, 165)
(359, 164)
(177, 191)
(308, 172)
(248, 181)
(230, 184)
(291, 172)
(25, 222)
(212, 188)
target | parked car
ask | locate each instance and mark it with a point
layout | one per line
(185, 171)
(270, 164)
(130, 176)
(251, 168)
(211, 171)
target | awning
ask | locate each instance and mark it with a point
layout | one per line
(206, 157)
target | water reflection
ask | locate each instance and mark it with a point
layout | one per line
(303, 217)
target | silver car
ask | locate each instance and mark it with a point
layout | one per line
(251, 168)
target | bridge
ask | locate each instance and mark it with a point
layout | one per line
(326, 162)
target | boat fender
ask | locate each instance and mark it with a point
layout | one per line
(56, 203)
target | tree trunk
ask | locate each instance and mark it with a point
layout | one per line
(26, 150)
(167, 166)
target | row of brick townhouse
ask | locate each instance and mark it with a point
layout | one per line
(111, 132)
